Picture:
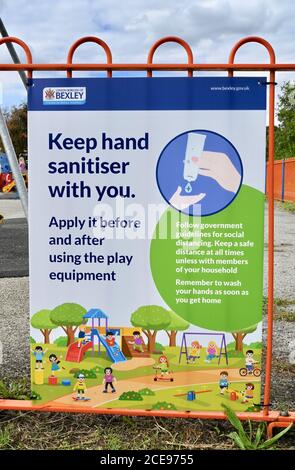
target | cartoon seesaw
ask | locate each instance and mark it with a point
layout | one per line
(192, 394)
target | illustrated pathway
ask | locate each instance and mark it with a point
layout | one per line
(98, 398)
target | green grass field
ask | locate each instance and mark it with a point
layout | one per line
(210, 401)
(51, 392)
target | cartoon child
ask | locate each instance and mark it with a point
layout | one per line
(163, 366)
(55, 364)
(39, 356)
(250, 361)
(110, 338)
(111, 341)
(248, 393)
(109, 380)
(223, 381)
(80, 387)
(211, 351)
(137, 342)
(81, 335)
(195, 352)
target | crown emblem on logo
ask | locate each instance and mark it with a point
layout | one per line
(49, 94)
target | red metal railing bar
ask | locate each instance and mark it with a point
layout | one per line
(256, 39)
(271, 140)
(149, 66)
(175, 39)
(27, 405)
(190, 67)
(274, 425)
(26, 49)
(84, 40)
(271, 107)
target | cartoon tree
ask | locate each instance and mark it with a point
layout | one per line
(68, 316)
(151, 318)
(176, 324)
(41, 321)
(240, 335)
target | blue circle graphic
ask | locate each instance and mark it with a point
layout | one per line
(171, 172)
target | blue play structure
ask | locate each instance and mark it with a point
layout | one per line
(114, 352)
(4, 164)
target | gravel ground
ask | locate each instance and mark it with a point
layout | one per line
(284, 254)
(15, 306)
(283, 373)
(14, 248)
(14, 326)
(10, 207)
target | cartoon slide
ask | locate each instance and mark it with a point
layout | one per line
(76, 354)
(114, 352)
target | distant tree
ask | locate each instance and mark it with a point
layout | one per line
(176, 324)
(16, 119)
(151, 318)
(41, 321)
(68, 316)
(285, 130)
(240, 335)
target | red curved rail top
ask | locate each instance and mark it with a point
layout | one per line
(24, 46)
(185, 45)
(257, 39)
(83, 40)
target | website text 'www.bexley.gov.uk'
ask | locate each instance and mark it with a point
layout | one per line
(230, 88)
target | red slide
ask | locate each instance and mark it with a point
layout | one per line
(75, 354)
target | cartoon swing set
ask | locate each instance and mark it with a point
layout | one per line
(184, 347)
(274, 419)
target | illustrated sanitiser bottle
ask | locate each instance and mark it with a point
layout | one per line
(194, 148)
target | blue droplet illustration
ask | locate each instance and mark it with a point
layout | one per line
(188, 188)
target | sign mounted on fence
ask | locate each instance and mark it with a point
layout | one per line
(146, 241)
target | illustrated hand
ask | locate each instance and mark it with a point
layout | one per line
(183, 202)
(218, 166)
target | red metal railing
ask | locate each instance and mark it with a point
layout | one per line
(272, 67)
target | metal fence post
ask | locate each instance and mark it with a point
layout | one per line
(13, 53)
(8, 145)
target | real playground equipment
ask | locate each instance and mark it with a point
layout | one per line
(184, 347)
(273, 418)
(7, 183)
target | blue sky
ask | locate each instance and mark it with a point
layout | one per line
(130, 28)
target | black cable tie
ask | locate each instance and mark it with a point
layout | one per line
(262, 404)
(267, 83)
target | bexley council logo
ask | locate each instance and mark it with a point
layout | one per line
(64, 95)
